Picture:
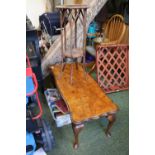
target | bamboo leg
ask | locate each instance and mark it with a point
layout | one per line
(71, 74)
(92, 69)
(76, 65)
(63, 65)
(62, 55)
(84, 40)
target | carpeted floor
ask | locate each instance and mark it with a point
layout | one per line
(92, 138)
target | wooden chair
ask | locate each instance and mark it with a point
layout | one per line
(114, 30)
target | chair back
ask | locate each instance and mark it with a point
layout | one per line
(115, 28)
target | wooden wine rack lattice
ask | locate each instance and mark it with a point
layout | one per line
(112, 67)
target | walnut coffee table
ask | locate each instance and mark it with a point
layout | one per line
(84, 98)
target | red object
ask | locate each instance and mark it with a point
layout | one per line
(61, 105)
(112, 67)
(29, 72)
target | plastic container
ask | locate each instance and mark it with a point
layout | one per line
(52, 95)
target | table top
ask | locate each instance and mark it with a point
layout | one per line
(84, 98)
(72, 6)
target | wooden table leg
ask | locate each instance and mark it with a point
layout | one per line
(111, 118)
(76, 130)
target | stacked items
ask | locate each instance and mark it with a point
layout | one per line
(57, 107)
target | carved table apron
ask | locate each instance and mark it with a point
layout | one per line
(84, 99)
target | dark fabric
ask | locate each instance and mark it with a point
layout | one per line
(51, 22)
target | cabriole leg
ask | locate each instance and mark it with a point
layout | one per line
(76, 131)
(111, 118)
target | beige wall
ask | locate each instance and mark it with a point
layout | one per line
(34, 8)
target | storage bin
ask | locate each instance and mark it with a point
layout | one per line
(52, 95)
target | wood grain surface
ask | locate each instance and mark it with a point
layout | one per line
(84, 98)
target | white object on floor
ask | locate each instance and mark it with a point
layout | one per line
(91, 50)
(40, 151)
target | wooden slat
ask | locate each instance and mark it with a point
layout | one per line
(125, 39)
(84, 98)
(115, 29)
